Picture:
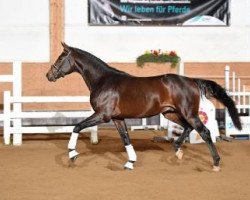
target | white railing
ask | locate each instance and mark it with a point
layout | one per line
(242, 101)
(16, 115)
(16, 80)
(13, 115)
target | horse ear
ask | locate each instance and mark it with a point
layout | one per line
(65, 46)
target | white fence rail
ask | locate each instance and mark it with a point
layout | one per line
(17, 131)
(16, 115)
(242, 101)
(16, 80)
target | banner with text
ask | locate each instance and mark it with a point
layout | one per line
(159, 12)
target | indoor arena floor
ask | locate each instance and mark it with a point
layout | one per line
(39, 170)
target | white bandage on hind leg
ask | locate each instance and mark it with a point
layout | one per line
(73, 140)
(131, 153)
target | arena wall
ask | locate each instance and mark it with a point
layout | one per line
(193, 44)
(34, 35)
(24, 32)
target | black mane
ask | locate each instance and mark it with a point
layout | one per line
(98, 62)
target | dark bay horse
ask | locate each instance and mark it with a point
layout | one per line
(116, 95)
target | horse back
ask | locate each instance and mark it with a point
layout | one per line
(142, 96)
(129, 96)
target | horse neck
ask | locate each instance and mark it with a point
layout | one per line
(91, 71)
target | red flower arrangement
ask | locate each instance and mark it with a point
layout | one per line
(158, 56)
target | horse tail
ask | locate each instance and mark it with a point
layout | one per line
(211, 88)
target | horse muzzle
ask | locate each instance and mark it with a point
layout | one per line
(50, 76)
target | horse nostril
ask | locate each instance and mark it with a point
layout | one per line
(48, 76)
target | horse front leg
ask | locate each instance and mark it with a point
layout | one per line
(72, 146)
(93, 120)
(122, 129)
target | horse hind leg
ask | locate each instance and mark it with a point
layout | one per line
(177, 144)
(187, 129)
(206, 136)
(122, 129)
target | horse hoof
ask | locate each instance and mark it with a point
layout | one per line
(129, 165)
(73, 154)
(179, 154)
(73, 158)
(216, 168)
(127, 169)
(94, 142)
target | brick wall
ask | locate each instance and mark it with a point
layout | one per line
(35, 82)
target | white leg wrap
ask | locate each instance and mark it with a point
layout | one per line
(131, 153)
(129, 165)
(73, 140)
(73, 153)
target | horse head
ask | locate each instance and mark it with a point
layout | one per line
(63, 65)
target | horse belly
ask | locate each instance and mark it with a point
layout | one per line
(138, 105)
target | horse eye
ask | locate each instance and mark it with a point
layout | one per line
(60, 59)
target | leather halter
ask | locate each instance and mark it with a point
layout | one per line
(57, 69)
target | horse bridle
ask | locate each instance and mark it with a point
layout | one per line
(57, 69)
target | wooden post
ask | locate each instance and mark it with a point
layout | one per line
(56, 28)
